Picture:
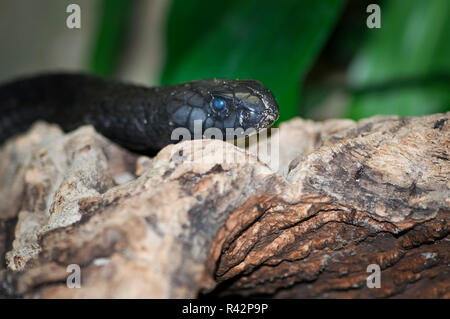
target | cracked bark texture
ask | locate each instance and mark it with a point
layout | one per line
(206, 217)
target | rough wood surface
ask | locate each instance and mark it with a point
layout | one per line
(346, 195)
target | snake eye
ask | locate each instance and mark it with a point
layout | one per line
(218, 103)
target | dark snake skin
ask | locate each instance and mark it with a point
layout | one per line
(136, 117)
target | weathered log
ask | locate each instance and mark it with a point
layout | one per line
(205, 217)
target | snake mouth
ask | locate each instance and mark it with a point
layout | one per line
(270, 113)
(267, 118)
(257, 121)
(270, 118)
(259, 116)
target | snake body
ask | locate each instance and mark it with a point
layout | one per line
(136, 117)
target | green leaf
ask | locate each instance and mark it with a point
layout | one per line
(115, 15)
(272, 41)
(412, 46)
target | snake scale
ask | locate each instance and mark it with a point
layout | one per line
(138, 118)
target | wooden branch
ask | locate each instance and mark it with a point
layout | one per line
(346, 195)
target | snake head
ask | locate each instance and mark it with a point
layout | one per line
(235, 107)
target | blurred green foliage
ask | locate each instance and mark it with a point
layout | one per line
(405, 65)
(275, 42)
(402, 68)
(115, 17)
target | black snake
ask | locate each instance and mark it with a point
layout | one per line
(136, 117)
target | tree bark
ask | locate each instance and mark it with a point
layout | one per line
(345, 197)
